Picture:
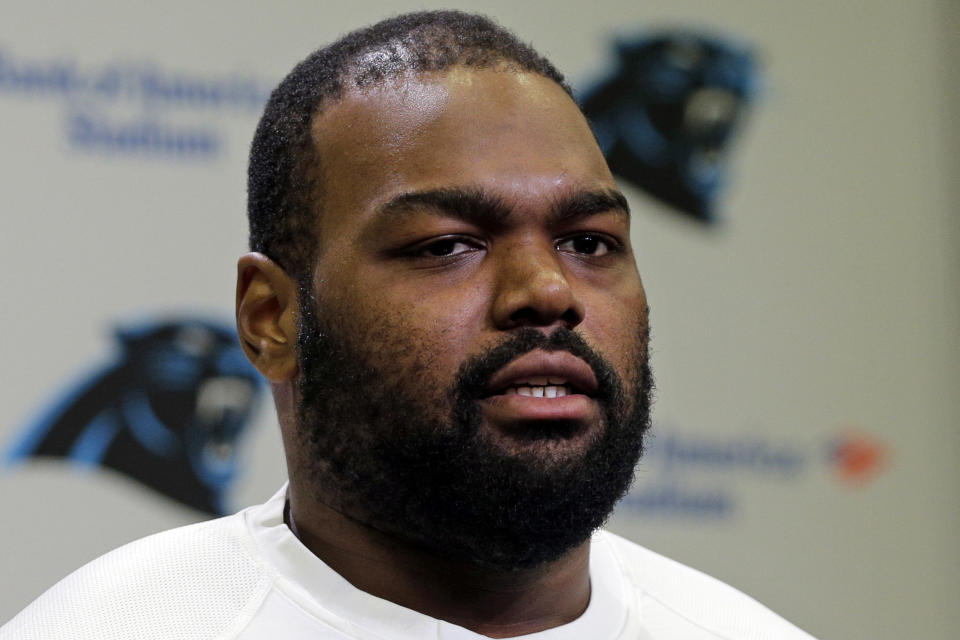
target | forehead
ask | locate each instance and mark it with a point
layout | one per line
(517, 135)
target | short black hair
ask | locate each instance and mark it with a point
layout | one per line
(283, 190)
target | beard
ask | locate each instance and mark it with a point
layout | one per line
(391, 450)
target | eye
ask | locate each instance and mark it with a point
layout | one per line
(588, 244)
(444, 248)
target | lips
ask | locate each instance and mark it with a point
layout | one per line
(540, 374)
(542, 394)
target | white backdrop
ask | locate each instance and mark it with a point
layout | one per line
(821, 314)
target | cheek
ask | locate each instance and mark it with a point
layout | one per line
(416, 325)
(618, 328)
(417, 347)
(449, 317)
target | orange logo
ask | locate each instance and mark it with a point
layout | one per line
(858, 457)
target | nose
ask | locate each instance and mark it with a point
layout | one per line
(532, 289)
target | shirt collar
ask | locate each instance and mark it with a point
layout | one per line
(324, 593)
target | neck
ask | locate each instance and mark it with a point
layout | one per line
(497, 604)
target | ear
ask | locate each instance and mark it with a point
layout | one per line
(267, 316)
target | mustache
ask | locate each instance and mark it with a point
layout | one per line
(474, 374)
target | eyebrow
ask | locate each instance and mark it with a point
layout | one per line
(583, 204)
(470, 204)
(475, 205)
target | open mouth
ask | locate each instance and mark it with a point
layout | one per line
(541, 387)
(541, 374)
(543, 392)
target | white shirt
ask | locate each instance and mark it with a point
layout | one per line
(247, 577)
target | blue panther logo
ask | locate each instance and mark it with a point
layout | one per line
(167, 412)
(665, 116)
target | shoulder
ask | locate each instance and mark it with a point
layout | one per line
(675, 595)
(193, 582)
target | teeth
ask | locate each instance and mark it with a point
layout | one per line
(538, 391)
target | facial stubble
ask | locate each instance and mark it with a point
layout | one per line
(388, 449)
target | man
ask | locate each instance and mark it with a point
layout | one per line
(443, 297)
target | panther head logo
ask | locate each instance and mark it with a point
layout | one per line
(168, 412)
(666, 114)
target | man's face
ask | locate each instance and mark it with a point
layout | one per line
(473, 341)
